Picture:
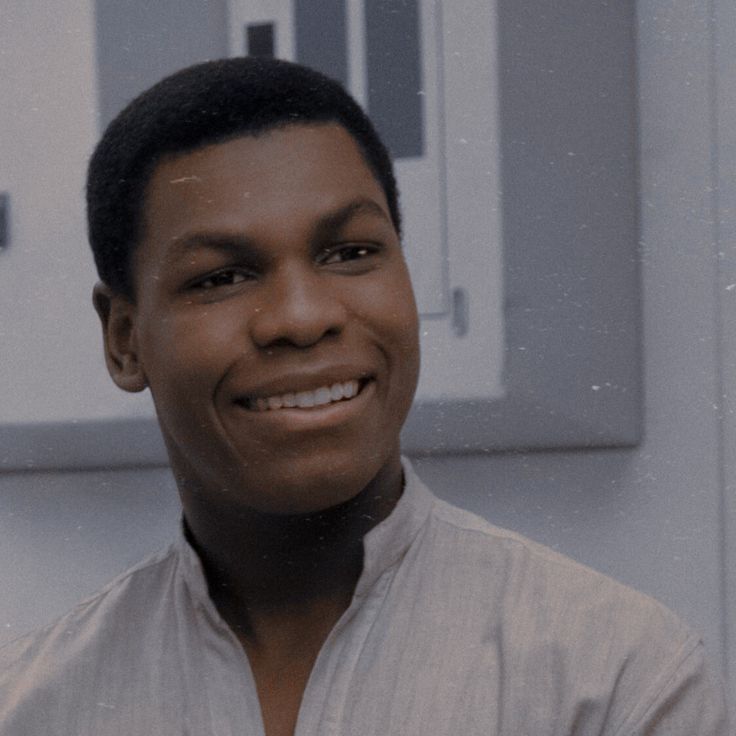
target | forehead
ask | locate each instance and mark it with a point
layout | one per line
(283, 174)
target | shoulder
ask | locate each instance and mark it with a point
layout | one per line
(567, 632)
(548, 591)
(66, 655)
(527, 568)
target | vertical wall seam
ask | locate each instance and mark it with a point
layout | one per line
(715, 211)
(442, 149)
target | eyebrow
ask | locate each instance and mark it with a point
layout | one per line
(225, 242)
(237, 244)
(334, 221)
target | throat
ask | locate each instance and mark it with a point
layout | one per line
(296, 573)
(263, 568)
(282, 588)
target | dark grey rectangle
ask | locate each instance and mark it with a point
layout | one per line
(321, 37)
(138, 42)
(393, 61)
(259, 40)
(4, 220)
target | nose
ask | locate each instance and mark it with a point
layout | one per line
(298, 308)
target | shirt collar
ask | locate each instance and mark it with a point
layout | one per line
(384, 545)
(387, 542)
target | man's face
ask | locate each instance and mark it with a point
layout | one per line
(270, 288)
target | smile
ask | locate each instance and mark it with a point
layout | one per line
(321, 396)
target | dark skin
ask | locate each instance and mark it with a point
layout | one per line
(269, 269)
(283, 584)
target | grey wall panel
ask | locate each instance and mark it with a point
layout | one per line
(393, 65)
(321, 36)
(138, 43)
(569, 172)
(568, 110)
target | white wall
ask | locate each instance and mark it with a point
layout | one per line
(51, 367)
(661, 517)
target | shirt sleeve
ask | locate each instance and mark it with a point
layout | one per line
(689, 701)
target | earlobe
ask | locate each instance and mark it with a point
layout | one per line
(117, 314)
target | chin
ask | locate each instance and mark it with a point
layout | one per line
(314, 483)
(308, 487)
(306, 480)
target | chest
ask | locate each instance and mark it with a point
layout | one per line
(280, 690)
(403, 677)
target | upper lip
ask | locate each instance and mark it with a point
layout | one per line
(303, 380)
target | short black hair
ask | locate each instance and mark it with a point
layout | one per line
(204, 104)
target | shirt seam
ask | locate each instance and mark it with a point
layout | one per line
(539, 551)
(154, 560)
(687, 650)
(529, 545)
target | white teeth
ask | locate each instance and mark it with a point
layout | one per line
(306, 399)
(322, 396)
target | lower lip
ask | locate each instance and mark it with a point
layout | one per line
(315, 417)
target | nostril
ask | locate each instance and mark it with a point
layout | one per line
(303, 331)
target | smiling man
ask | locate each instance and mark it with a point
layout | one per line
(244, 219)
(269, 280)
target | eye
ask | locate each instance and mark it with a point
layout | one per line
(346, 253)
(225, 277)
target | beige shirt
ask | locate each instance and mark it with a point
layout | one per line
(456, 628)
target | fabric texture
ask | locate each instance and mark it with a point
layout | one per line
(456, 627)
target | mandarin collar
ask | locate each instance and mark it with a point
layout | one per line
(384, 545)
(387, 542)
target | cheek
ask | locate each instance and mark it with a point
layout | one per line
(186, 354)
(392, 311)
(400, 308)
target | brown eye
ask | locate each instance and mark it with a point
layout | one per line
(228, 277)
(348, 253)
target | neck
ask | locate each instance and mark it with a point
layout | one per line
(268, 566)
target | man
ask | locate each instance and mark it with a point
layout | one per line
(245, 225)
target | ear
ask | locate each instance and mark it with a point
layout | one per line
(118, 317)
